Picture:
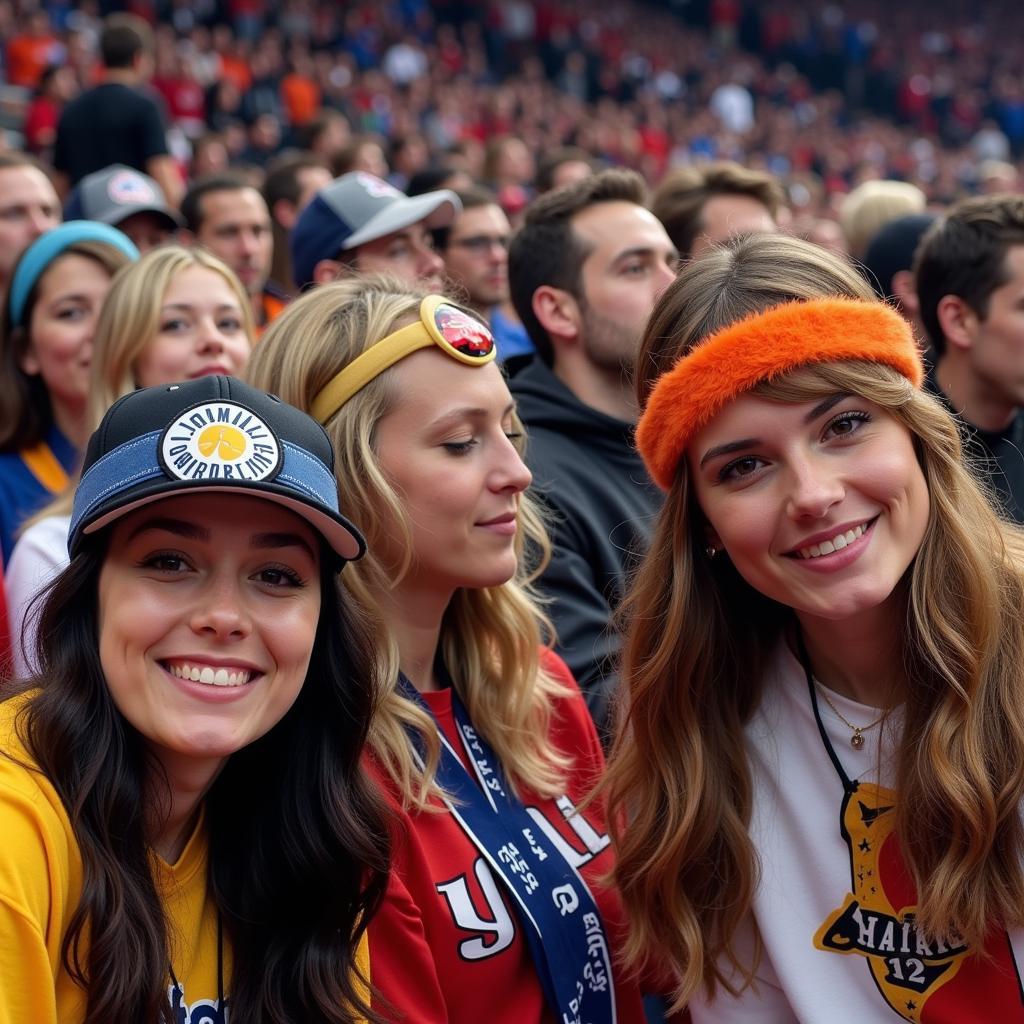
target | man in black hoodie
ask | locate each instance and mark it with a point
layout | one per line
(585, 270)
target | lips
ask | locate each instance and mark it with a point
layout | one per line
(508, 517)
(828, 542)
(199, 671)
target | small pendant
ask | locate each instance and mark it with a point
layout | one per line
(856, 740)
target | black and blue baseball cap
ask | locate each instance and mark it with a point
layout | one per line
(213, 434)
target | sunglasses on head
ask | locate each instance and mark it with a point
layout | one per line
(440, 323)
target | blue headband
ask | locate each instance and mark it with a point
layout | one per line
(47, 247)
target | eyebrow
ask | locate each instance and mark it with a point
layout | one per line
(188, 306)
(179, 527)
(645, 250)
(193, 531)
(469, 412)
(750, 442)
(282, 540)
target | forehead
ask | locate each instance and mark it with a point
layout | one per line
(616, 226)
(481, 218)
(1013, 268)
(221, 513)
(18, 183)
(234, 204)
(72, 272)
(429, 383)
(187, 282)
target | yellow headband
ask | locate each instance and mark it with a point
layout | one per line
(763, 346)
(441, 323)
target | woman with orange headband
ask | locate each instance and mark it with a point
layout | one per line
(821, 745)
(496, 910)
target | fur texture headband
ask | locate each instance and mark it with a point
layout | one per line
(761, 347)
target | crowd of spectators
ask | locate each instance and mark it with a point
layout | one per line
(823, 97)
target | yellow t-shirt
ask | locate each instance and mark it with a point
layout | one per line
(40, 887)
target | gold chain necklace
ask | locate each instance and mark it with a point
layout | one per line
(857, 739)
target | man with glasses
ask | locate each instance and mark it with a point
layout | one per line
(475, 253)
(360, 224)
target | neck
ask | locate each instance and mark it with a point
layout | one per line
(188, 780)
(859, 658)
(413, 615)
(72, 423)
(601, 389)
(976, 399)
(124, 76)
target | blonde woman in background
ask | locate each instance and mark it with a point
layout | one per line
(176, 315)
(820, 754)
(495, 910)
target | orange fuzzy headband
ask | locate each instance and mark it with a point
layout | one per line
(761, 347)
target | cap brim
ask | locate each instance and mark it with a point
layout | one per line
(172, 217)
(437, 208)
(342, 537)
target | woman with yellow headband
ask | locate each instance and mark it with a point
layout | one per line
(495, 910)
(821, 749)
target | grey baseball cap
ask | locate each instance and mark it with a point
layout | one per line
(358, 208)
(116, 193)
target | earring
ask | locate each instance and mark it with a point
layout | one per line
(711, 551)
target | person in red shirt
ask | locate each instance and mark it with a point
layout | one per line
(496, 908)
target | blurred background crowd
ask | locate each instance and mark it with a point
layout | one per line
(824, 96)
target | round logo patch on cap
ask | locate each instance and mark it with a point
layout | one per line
(128, 188)
(219, 441)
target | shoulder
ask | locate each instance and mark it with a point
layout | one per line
(572, 728)
(38, 854)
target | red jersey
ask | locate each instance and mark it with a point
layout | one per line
(447, 945)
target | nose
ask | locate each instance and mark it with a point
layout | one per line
(41, 222)
(209, 337)
(220, 611)
(814, 488)
(429, 263)
(250, 243)
(510, 473)
(666, 275)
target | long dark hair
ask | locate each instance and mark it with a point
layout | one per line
(298, 847)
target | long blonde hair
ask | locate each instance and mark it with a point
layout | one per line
(490, 637)
(698, 641)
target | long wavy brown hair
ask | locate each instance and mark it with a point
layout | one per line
(699, 637)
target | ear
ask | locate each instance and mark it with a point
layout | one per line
(958, 322)
(327, 271)
(904, 287)
(558, 312)
(28, 363)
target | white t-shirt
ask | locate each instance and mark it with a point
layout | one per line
(39, 555)
(838, 945)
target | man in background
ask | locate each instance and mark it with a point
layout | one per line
(585, 270)
(970, 286)
(360, 224)
(28, 207)
(117, 122)
(228, 216)
(713, 202)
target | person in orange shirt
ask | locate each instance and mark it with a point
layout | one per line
(29, 52)
(299, 92)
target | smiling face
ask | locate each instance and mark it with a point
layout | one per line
(200, 331)
(447, 449)
(61, 328)
(820, 505)
(208, 608)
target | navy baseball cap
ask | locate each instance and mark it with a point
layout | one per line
(358, 208)
(116, 193)
(213, 434)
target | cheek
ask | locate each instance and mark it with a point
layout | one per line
(289, 633)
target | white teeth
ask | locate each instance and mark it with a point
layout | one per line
(837, 543)
(208, 675)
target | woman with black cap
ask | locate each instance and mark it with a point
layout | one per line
(186, 832)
